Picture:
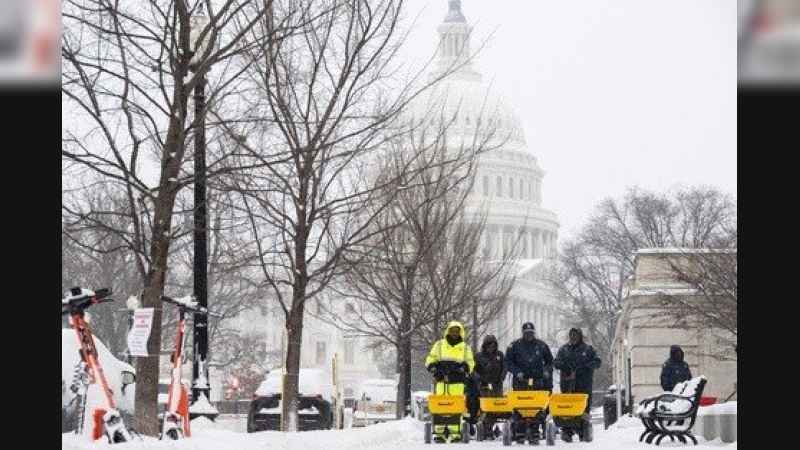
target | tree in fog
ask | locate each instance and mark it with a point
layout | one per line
(128, 73)
(233, 287)
(245, 362)
(319, 102)
(323, 102)
(423, 266)
(711, 304)
(93, 257)
(594, 266)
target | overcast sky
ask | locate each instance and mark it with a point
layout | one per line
(610, 93)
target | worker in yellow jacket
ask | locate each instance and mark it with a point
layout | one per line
(450, 361)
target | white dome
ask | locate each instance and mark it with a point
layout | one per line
(470, 104)
(508, 179)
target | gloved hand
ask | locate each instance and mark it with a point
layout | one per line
(546, 376)
(438, 375)
(463, 367)
(558, 364)
(432, 367)
(589, 365)
(519, 376)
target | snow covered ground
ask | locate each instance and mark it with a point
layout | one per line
(406, 434)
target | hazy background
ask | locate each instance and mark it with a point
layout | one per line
(611, 93)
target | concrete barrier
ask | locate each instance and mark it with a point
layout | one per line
(717, 422)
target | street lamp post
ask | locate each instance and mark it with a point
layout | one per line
(410, 265)
(200, 384)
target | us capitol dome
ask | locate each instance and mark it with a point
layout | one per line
(508, 183)
(509, 180)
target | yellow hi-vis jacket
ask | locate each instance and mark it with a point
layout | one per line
(443, 351)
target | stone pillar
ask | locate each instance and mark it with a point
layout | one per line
(511, 317)
(496, 248)
(540, 253)
(526, 241)
(548, 250)
(501, 240)
(540, 319)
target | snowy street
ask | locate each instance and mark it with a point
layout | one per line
(406, 434)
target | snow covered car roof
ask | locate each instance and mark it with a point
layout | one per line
(378, 390)
(313, 382)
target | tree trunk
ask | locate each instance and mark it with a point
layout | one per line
(147, 368)
(291, 381)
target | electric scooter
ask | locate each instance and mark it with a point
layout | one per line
(106, 418)
(176, 414)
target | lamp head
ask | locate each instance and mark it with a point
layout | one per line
(132, 302)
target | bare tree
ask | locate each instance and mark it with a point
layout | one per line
(324, 102)
(423, 264)
(711, 304)
(593, 268)
(246, 360)
(233, 285)
(93, 258)
(128, 72)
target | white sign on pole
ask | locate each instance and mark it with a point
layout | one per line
(140, 331)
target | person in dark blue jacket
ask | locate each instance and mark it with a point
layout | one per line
(576, 361)
(675, 369)
(528, 358)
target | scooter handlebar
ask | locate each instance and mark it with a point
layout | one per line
(78, 299)
(189, 303)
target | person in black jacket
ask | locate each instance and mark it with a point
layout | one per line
(490, 373)
(528, 358)
(675, 369)
(576, 361)
(490, 368)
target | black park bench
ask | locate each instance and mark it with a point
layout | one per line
(671, 414)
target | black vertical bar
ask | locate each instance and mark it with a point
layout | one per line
(407, 331)
(200, 245)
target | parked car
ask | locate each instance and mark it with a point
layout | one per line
(121, 378)
(375, 402)
(316, 407)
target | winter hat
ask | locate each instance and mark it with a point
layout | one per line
(488, 340)
(528, 326)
